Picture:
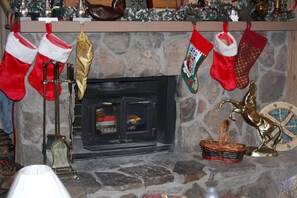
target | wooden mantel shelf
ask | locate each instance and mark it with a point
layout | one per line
(155, 26)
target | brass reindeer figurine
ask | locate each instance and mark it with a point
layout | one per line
(247, 108)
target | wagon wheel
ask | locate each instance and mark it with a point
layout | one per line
(284, 114)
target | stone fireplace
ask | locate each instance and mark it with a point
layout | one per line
(179, 170)
(121, 55)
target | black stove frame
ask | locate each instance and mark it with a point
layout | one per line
(156, 95)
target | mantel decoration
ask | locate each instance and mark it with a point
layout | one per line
(247, 10)
(270, 132)
(106, 13)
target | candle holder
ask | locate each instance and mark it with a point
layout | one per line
(48, 13)
(23, 9)
(81, 10)
(48, 10)
(81, 13)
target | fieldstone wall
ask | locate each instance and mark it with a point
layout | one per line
(153, 54)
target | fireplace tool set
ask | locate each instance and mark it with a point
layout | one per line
(60, 148)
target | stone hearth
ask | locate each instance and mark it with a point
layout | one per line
(184, 174)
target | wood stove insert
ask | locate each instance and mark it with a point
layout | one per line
(126, 115)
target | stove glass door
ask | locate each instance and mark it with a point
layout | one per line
(106, 119)
(138, 119)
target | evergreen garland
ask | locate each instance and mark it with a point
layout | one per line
(217, 11)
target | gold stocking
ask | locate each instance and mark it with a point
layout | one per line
(84, 57)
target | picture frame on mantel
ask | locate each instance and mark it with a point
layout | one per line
(139, 4)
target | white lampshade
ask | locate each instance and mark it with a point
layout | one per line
(37, 181)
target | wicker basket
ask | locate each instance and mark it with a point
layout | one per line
(223, 150)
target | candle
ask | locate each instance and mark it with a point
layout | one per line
(276, 7)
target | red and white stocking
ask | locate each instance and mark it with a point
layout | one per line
(50, 48)
(17, 58)
(224, 55)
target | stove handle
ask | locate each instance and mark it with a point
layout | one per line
(141, 102)
(109, 103)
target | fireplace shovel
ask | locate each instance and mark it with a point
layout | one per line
(47, 140)
(59, 147)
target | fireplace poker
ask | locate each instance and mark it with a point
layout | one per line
(70, 81)
(57, 105)
(44, 82)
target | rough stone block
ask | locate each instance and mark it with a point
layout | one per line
(118, 181)
(151, 175)
(191, 170)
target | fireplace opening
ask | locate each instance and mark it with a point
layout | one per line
(121, 116)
